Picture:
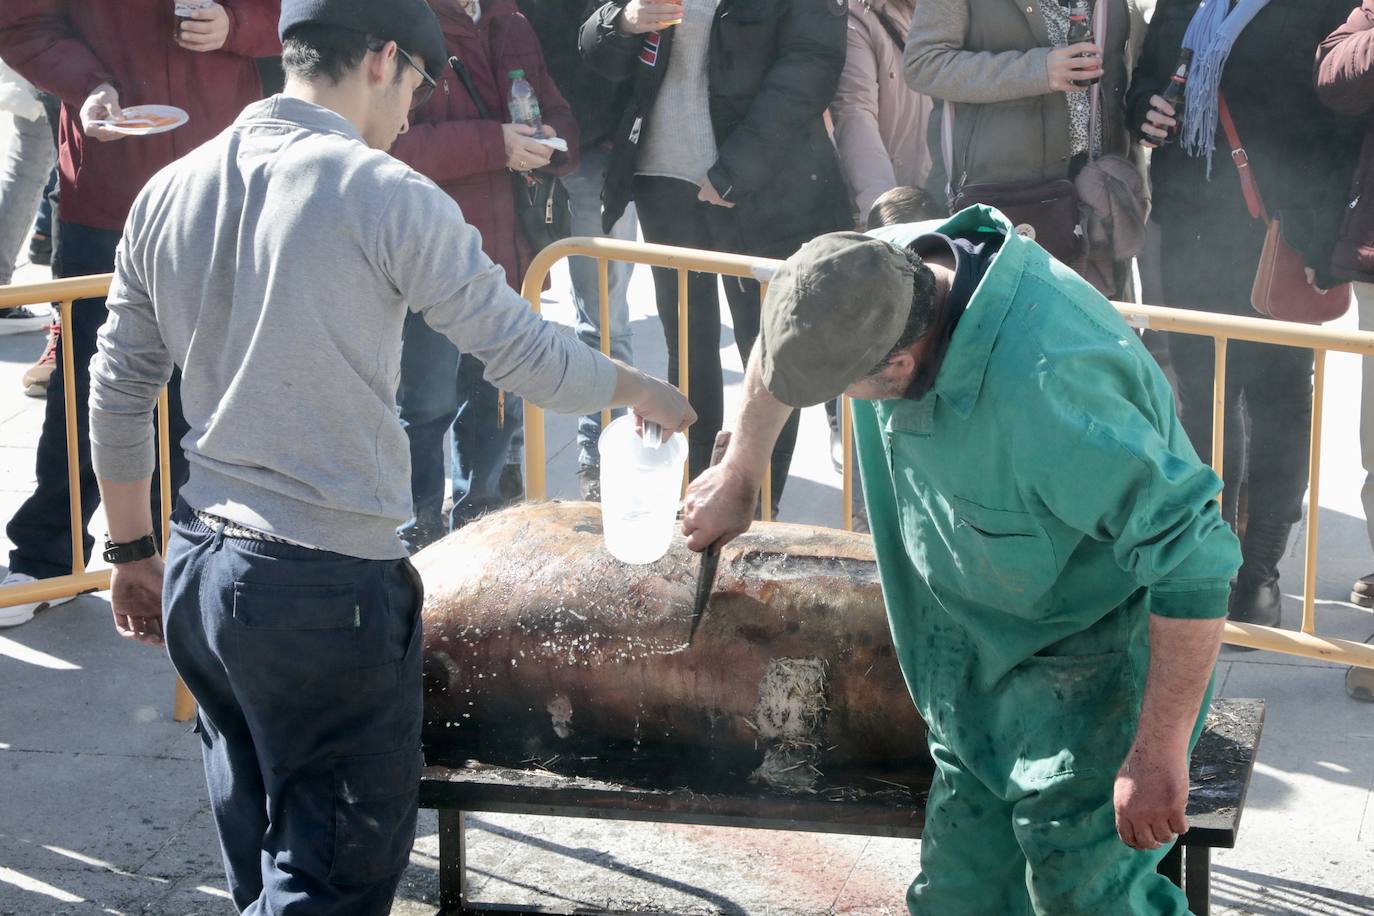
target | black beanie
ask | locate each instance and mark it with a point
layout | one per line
(409, 23)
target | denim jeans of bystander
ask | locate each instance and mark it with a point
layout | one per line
(41, 529)
(584, 190)
(24, 170)
(442, 390)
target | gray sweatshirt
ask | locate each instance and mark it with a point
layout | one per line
(274, 266)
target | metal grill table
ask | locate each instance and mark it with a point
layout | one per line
(1221, 768)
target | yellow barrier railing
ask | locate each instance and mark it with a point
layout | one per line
(1222, 328)
(684, 261)
(80, 580)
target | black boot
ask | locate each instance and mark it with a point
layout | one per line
(1256, 597)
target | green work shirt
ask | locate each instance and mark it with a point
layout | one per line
(1042, 499)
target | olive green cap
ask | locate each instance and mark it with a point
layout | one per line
(833, 311)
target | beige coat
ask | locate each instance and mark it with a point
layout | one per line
(880, 123)
(1009, 125)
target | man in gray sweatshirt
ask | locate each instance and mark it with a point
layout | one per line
(274, 265)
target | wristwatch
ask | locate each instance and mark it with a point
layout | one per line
(130, 552)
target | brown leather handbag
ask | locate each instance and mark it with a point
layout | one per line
(1281, 289)
(1046, 212)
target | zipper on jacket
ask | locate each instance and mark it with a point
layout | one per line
(634, 130)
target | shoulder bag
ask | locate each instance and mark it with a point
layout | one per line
(542, 206)
(1089, 231)
(1281, 289)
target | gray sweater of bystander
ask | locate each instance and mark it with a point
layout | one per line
(274, 266)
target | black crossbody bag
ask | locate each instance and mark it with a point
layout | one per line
(542, 206)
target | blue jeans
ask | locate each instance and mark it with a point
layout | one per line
(584, 190)
(23, 170)
(41, 529)
(305, 666)
(442, 389)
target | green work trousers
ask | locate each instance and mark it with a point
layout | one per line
(1020, 817)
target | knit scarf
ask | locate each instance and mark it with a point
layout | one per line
(1211, 33)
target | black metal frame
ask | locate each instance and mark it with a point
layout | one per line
(1220, 779)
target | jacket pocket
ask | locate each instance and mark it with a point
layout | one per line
(1005, 557)
(374, 815)
(1073, 714)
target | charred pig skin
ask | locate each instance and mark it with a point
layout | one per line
(538, 644)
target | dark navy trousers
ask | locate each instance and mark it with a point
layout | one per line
(306, 668)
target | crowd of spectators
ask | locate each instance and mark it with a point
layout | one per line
(751, 126)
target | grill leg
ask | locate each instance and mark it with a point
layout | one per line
(452, 864)
(1199, 880)
(1171, 866)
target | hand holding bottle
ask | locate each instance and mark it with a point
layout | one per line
(1159, 122)
(641, 16)
(1070, 65)
(523, 152)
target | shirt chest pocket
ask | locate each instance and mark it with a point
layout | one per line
(1001, 558)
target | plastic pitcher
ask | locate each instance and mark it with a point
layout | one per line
(641, 486)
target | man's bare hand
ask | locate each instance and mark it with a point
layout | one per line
(101, 105)
(719, 507)
(136, 599)
(1151, 797)
(661, 403)
(206, 30)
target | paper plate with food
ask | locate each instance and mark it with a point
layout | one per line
(143, 120)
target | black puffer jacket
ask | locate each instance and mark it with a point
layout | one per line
(594, 100)
(1302, 154)
(774, 66)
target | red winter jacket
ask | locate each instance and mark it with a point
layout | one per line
(68, 47)
(465, 155)
(1345, 83)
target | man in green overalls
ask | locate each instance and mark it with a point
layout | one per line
(1054, 563)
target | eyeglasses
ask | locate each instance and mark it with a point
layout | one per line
(425, 90)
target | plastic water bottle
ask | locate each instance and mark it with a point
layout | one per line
(524, 106)
(641, 485)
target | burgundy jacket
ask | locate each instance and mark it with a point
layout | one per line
(68, 47)
(1345, 83)
(465, 155)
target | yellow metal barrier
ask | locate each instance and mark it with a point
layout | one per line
(1222, 328)
(80, 581)
(683, 260)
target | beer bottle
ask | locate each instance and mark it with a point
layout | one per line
(1081, 30)
(1175, 93)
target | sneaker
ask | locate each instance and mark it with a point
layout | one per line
(1359, 684)
(860, 520)
(21, 320)
(1362, 593)
(589, 482)
(837, 451)
(40, 250)
(511, 486)
(23, 613)
(35, 380)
